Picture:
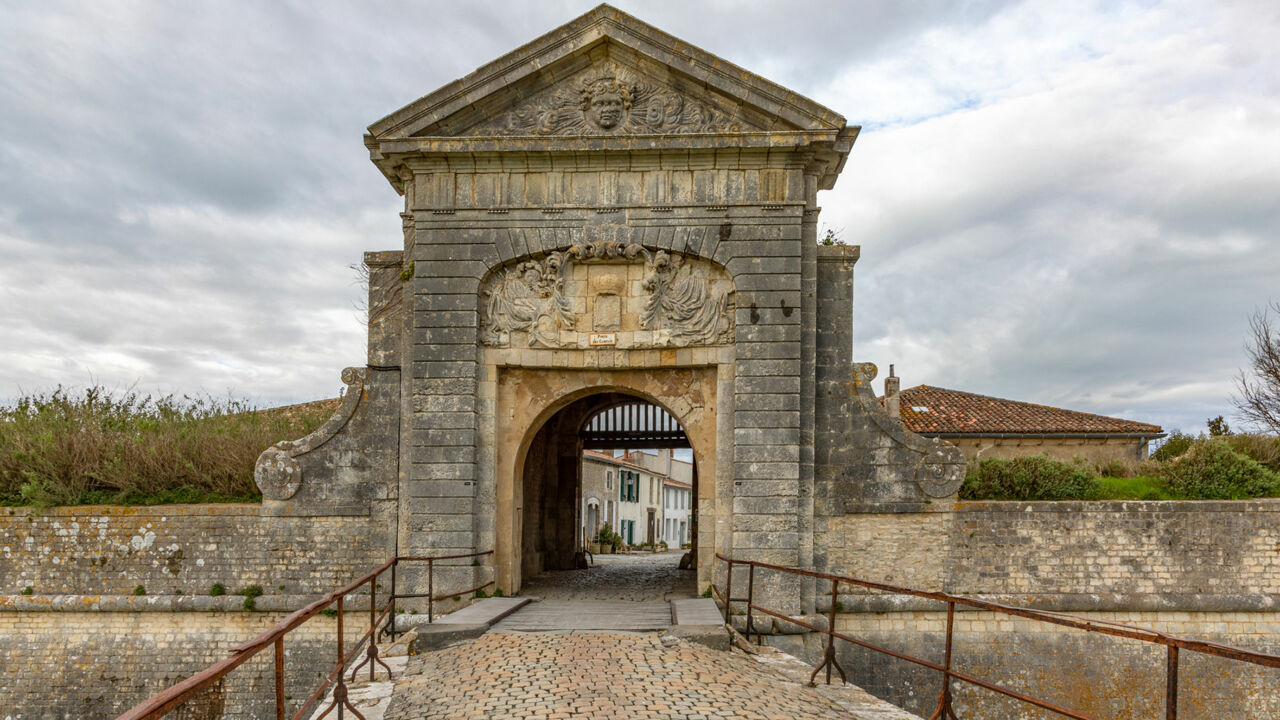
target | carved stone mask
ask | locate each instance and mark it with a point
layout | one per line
(605, 110)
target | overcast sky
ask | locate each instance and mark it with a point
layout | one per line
(1065, 203)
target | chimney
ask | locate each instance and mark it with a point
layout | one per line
(891, 385)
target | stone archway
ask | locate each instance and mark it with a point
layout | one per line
(537, 410)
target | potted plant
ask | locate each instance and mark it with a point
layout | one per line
(607, 540)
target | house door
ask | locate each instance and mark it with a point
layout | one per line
(649, 531)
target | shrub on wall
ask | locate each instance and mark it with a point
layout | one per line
(1212, 470)
(62, 448)
(1176, 444)
(1029, 478)
(1263, 448)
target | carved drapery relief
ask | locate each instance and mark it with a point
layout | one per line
(677, 301)
(609, 100)
(679, 310)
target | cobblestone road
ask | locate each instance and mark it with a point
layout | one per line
(598, 675)
(636, 577)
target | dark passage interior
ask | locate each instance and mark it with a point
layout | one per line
(551, 484)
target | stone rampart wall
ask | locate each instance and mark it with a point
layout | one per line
(1200, 570)
(1100, 676)
(95, 665)
(179, 550)
(1118, 555)
(82, 645)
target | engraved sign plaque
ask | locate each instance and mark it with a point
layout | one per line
(602, 339)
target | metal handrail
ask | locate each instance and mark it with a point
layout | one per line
(176, 695)
(944, 710)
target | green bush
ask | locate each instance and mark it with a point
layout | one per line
(1115, 468)
(1263, 448)
(100, 447)
(1176, 444)
(1212, 470)
(1029, 478)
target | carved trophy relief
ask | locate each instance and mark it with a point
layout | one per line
(677, 301)
(528, 298)
(609, 101)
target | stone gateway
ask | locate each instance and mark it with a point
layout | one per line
(607, 216)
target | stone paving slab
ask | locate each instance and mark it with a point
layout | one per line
(695, 611)
(631, 676)
(488, 611)
(370, 699)
(618, 615)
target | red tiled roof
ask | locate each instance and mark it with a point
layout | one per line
(929, 410)
(601, 457)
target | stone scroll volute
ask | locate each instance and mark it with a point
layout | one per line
(638, 296)
(277, 472)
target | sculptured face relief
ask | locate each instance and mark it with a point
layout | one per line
(605, 102)
(606, 110)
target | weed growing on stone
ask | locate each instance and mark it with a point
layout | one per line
(28, 590)
(139, 590)
(217, 590)
(250, 594)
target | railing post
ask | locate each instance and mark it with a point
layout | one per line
(831, 628)
(728, 594)
(829, 655)
(373, 622)
(944, 696)
(339, 690)
(280, 678)
(1171, 684)
(431, 590)
(394, 564)
(751, 594)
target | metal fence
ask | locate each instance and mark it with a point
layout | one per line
(381, 622)
(945, 711)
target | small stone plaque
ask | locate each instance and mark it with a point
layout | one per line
(601, 339)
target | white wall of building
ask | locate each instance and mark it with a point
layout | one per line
(677, 502)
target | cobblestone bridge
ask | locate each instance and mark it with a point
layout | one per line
(600, 643)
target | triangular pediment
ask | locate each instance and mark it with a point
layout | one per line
(606, 73)
(609, 98)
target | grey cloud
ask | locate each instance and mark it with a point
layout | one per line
(1054, 204)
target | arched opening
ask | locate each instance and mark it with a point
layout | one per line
(617, 462)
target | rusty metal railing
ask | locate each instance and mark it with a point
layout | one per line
(175, 696)
(945, 711)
